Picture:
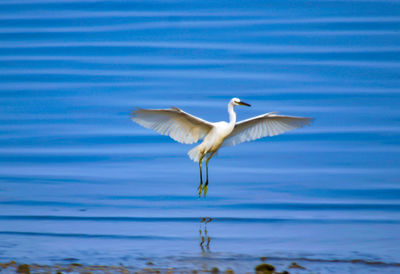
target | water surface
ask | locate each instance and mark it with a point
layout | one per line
(80, 182)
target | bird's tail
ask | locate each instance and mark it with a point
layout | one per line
(194, 154)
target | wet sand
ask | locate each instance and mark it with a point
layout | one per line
(14, 267)
(265, 266)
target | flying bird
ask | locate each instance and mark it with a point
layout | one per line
(188, 129)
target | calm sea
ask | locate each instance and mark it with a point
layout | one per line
(80, 182)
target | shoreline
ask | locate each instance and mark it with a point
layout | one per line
(264, 266)
(22, 268)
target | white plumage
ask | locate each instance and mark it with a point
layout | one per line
(269, 124)
(174, 122)
(186, 128)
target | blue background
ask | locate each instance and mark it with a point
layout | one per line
(79, 180)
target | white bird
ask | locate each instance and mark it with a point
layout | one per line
(187, 129)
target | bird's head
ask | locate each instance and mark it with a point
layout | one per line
(237, 101)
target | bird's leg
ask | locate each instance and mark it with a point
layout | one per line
(200, 188)
(206, 184)
(201, 244)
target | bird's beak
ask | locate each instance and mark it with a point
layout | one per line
(244, 104)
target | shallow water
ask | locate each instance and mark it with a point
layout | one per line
(80, 182)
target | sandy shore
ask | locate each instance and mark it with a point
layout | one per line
(14, 267)
(263, 266)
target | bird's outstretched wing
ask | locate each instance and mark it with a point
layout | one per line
(174, 122)
(268, 124)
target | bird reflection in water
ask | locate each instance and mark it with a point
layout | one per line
(204, 238)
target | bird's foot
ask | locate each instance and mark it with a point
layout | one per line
(205, 189)
(200, 189)
(202, 240)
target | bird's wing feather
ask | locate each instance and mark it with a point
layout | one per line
(174, 122)
(268, 124)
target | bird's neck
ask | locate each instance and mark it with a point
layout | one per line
(232, 115)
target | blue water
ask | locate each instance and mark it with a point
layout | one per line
(80, 182)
